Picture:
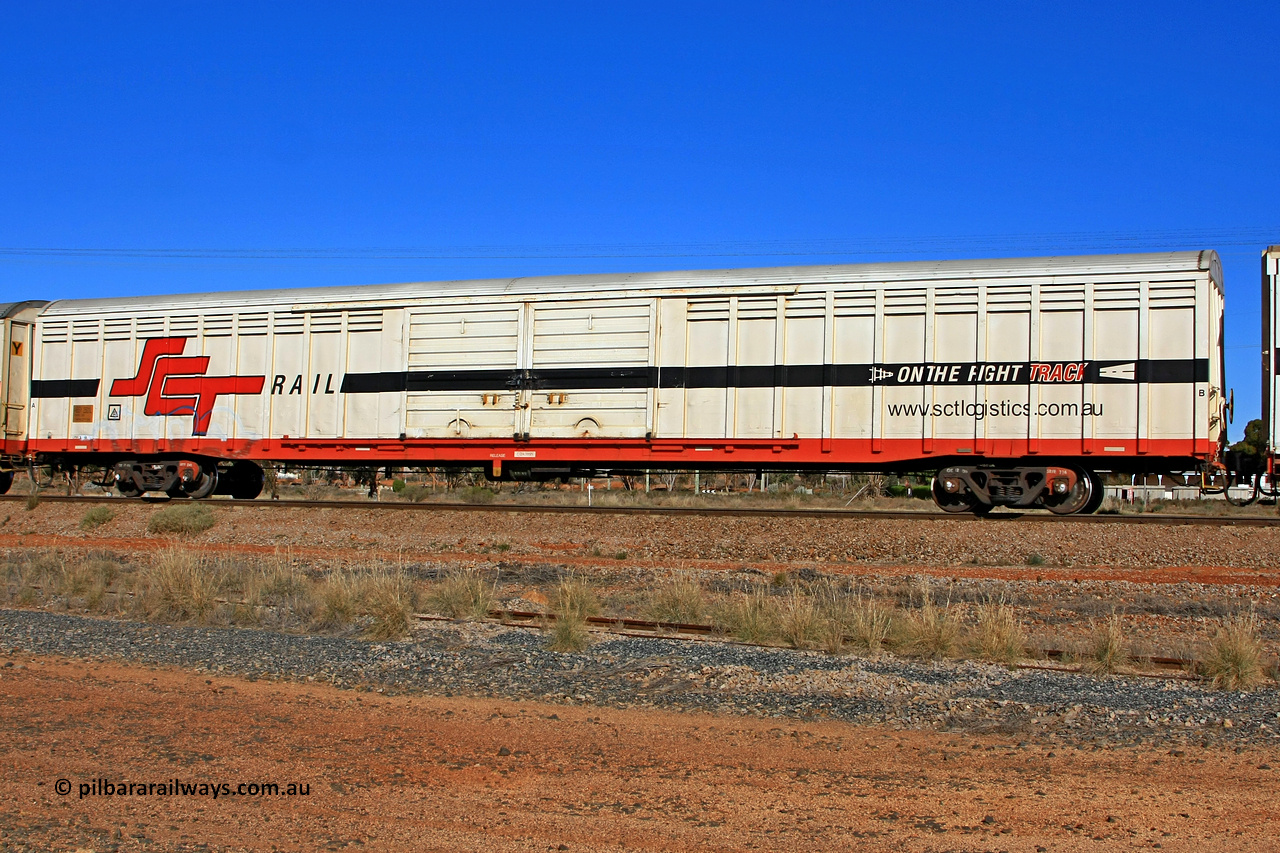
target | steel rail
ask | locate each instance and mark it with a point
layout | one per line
(1035, 658)
(758, 512)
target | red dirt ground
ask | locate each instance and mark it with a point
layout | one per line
(427, 773)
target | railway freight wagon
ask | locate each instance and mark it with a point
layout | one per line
(1017, 380)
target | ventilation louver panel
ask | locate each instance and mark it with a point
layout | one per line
(117, 328)
(217, 325)
(328, 321)
(86, 330)
(253, 324)
(364, 321)
(54, 332)
(288, 323)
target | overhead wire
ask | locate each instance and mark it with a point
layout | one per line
(1071, 241)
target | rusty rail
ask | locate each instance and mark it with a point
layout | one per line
(1152, 667)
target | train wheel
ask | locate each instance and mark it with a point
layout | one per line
(127, 488)
(247, 480)
(1079, 498)
(6, 481)
(204, 485)
(1099, 495)
(957, 503)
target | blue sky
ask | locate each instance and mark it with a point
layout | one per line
(159, 148)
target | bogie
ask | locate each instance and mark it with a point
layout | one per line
(1060, 489)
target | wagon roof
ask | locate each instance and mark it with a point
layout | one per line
(1072, 267)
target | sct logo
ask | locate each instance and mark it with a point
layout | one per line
(176, 385)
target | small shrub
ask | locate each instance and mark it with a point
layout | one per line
(1234, 659)
(184, 518)
(1034, 559)
(679, 601)
(931, 632)
(780, 578)
(463, 595)
(96, 517)
(1107, 652)
(998, 636)
(416, 494)
(569, 633)
(621, 555)
(477, 495)
(397, 485)
(33, 501)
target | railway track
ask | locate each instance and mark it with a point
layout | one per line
(1044, 658)
(922, 515)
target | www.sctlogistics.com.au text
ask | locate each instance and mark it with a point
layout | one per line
(181, 788)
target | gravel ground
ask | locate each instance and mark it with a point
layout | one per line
(722, 678)
(853, 542)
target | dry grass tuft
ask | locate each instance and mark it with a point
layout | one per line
(679, 601)
(750, 618)
(1108, 651)
(998, 636)
(872, 626)
(24, 574)
(278, 591)
(931, 632)
(1234, 659)
(184, 518)
(463, 595)
(337, 601)
(388, 599)
(852, 619)
(89, 578)
(569, 633)
(576, 598)
(179, 585)
(800, 624)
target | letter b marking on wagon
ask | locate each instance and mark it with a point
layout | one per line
(174, 384)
